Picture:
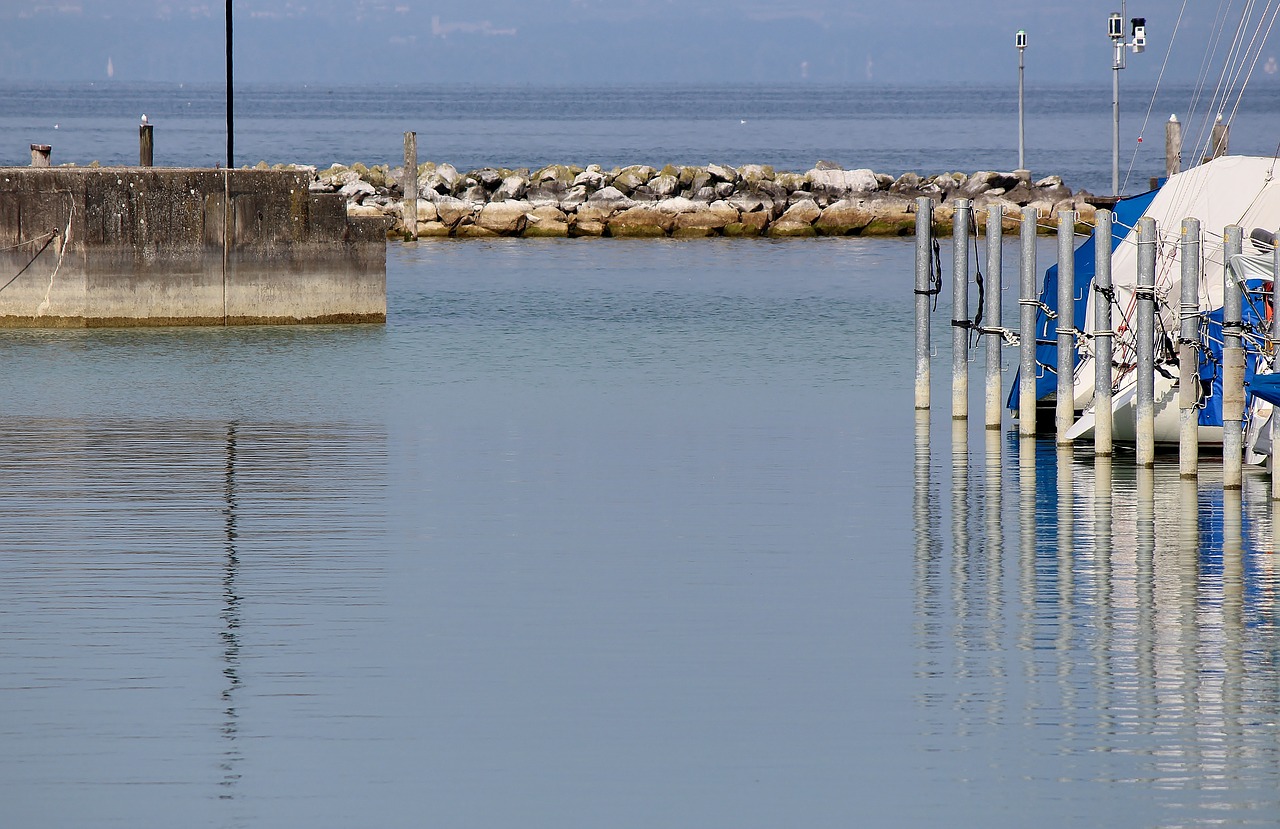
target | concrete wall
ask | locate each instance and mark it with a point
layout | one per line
(146, 246)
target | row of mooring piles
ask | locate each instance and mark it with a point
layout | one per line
(928, 285)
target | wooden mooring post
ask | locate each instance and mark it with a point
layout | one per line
(409, 186)
(40, 155)
(146, 145)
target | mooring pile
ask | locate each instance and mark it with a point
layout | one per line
(928, 284)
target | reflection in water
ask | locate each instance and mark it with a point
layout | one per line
(230, 634)
(146, 565)
(1142, 622)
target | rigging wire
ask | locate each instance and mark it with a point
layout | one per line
(1154, 94)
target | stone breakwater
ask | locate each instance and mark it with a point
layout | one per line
(684, 201)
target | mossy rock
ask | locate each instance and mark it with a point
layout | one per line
(788, 230)
(740, 230)
(475, 232)
(896, 225)
(693, 233)
(546, 230)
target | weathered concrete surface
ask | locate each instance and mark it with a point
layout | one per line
(89, 247)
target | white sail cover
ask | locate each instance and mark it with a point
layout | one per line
(1239, 190)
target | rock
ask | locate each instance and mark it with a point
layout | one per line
(753, 174)
(476, 194)
(488, 177)
(474, 231)
(586, 227)
(749, 224)
(641, 220)
(543, 196)
(679, 204)
(843, 218)
(906, 183)
(546, 222)
(883, 181)
(724, 189)
(591, 178)
(512, 187)
(432, 230)
(984, 181)
(354, 209)
(791, 182)
(706, 194)
(452, 211)
(664, 185)
(747, 203)
(507, 218)
(698, 180)
(577, 195)
(719, 172)
(1050, 181)
(714, 217)
(827, 165)
(771, 189)
(891, 216)
(427, 212)
(562, 174)
(629, 178)
(843, 181)
(447, 175)
(797, 220)
(357, 190)
(604, 203)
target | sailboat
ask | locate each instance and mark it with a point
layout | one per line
(1229, 190)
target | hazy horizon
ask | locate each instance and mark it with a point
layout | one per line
(568, 42)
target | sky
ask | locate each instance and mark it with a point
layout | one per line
(608, 41)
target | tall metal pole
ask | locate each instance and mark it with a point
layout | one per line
(1115, 119)
(924, 263)
(995, 279)
(960, 310)
(1145, 427)
(1232, 364)
(1102, 414)
(231, 155)
(1027, 306)
(1188, 340)
(1065, 409)
(1021, 41)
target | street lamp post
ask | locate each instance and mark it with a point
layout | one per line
(1021, 41)
(1115, 31)
(230, 110)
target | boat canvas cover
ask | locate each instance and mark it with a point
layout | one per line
(1239, 190)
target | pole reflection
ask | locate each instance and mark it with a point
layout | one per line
(1141, 619)
(230, 634)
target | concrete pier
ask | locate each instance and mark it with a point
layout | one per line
(92, 247)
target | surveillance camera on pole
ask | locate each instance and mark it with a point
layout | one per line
(1115, 31)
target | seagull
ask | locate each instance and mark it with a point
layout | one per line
(144, 119)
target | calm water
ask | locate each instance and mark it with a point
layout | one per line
(889, 129)
(600, 533)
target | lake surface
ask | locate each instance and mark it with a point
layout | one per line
(606, 533)
(889, 129)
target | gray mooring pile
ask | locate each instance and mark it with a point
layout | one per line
(928, 284)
